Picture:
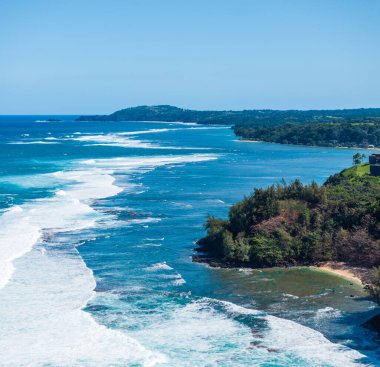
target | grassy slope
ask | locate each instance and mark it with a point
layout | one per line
(359, 170)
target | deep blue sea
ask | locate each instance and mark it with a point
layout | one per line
(97, 230)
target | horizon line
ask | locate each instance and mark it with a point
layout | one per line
(192, 109)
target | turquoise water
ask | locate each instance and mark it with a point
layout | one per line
(97, 231)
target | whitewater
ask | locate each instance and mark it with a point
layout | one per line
(60, 320)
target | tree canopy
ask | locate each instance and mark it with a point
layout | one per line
(347, 134)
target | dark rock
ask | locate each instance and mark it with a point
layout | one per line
(373, 324)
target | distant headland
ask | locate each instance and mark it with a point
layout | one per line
(335, 128)
(257, 117)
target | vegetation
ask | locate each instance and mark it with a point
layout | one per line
(347, 133)
(296, 224)
(251, 118)
(357, 158)
(375, 280)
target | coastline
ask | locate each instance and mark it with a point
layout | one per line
(303, 145)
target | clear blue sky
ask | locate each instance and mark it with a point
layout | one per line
(96, 56)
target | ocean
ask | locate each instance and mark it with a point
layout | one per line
(97, 230)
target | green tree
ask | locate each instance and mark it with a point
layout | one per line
(357, 158)
(228, 245)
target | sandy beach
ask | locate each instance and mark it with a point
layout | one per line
(352, 273)
(248, 141)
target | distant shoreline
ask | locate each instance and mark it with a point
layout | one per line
(303, 145)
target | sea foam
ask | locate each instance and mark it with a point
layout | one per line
(128, 140)
(52, 284)
(17, 237)
(159, 266)
(310, 345)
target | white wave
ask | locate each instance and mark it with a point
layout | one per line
(90, 184)
(327, 312)
(62, 212)
(159, 266)
(234, 308)
(219, 201)
(169, 276)
(219, 127)
(48, 121)
(208, 332)
(149, 245)
(132, 163)
(289, 296)
(293, 339)
(245, 270)
(17, 237)
(21, 227)
(144, 220)
(149, 131)
(182, 205)
(122, 140)
(179, 281)
(172, 123)
(199, 336)
(32, 142)
(115, 140)
(176, 278)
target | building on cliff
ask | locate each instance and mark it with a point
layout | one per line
(374, 163)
